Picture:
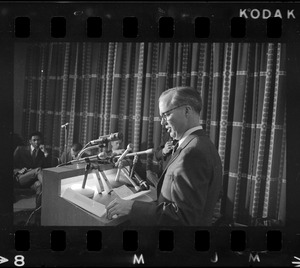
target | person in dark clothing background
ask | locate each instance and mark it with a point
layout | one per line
(71, 154)
(29, 161)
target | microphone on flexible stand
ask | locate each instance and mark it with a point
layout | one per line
(136, 187)
(64, 126)
(149, 151)
(102, 156)
(102, 141)
(135, 159)
(107, 138)
(143, 185)
(128, 149)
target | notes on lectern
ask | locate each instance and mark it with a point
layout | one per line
(123, 191)
(84, 202)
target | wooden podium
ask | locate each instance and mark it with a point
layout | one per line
(60, 209)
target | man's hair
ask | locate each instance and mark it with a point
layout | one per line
(77, 146)
(36, 133)
(184, 95)
(120, 140)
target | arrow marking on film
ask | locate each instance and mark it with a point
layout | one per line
(3, 260)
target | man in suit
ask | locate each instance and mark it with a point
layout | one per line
(190, 185)
(28, 163)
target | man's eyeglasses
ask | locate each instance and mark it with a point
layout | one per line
(167, 113)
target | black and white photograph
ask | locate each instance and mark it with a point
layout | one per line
(75, 101)
(159, 133)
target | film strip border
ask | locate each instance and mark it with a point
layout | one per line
(131, 27)
(151, 21)
(237, 240)
(153, 246)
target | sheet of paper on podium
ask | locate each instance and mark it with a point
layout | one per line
(127, 194)
(84, 202)
(123, 191)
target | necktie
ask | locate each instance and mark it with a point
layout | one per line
(33, 154)
(175, 147)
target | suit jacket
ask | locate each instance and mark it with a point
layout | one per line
(188, 189)
(164, 159)
(23, 158)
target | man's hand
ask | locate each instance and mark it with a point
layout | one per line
(23, 170)
(118, 207)
(168, 147)
(43, 149)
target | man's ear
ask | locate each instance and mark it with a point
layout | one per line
(188, 109)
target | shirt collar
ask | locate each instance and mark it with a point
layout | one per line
(32, 148)
(187, 133)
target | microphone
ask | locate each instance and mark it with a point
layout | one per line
(62, 126)
(136, 187)
(128, 149)
(135, 159)
(143, 184)
(149, 151)
(101, 156)
(121, 157)
(107, 138)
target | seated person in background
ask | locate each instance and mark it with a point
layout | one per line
(28, 163)
(115, 148)
(71, 154)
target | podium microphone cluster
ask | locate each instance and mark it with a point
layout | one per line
(142, 184)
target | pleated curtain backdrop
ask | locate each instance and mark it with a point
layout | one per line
(102, 88)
